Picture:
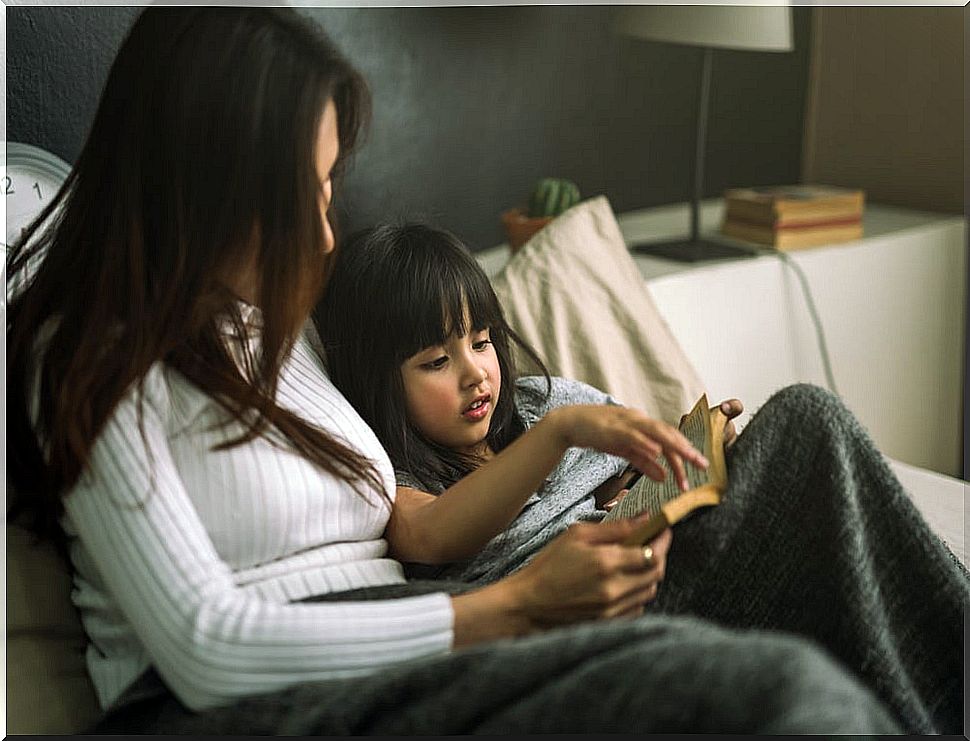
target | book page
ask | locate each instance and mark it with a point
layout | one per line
(696, 427)
(648, 495)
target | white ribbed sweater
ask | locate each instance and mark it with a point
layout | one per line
(190, 560)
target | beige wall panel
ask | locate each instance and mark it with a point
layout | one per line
(885, 104)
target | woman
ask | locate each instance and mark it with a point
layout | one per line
(222, 504)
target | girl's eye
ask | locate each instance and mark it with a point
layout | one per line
(436, 363)
(480, 345)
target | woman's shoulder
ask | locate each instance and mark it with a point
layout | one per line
(176, 403)
(153, 386)
(158, 390)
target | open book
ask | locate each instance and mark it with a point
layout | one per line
(704, 427)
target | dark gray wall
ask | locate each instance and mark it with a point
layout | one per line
(473, 104)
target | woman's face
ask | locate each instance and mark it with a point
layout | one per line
(451, 390)
(326, 150)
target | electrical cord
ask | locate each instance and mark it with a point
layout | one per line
(810, 303)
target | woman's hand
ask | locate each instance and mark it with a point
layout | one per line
(731, 408)
(628, 433)
(584, 574)
(588, 574)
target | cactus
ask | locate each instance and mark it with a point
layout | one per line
(552, 196)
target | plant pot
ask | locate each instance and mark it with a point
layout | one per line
(519, 228)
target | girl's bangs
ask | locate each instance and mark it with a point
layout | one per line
(423, 323)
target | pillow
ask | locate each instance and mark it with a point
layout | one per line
(575, 294)
(48, 687)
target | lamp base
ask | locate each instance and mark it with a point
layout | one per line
(687, 250)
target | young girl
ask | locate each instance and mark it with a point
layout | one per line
(489, 466)
(416, 340)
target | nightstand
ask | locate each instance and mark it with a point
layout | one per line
(892, 307)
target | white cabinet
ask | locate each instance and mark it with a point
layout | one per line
(892, 307)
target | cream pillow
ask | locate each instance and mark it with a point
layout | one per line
(575, 294)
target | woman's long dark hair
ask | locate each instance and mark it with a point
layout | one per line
(395, 290)
(202, 149)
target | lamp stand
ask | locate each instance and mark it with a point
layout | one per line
(694, 248)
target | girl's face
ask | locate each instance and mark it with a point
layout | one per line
(451, 390)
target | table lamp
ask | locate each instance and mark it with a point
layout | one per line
(748, 27)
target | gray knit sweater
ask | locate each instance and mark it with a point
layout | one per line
(565, 498)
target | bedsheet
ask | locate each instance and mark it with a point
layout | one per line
(942, 501)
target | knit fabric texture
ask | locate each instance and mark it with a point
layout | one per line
(817, 537)
(814, 599)
(564, 498)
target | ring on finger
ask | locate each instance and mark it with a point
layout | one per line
(648, 556)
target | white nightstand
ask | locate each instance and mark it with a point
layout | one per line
(892, 306)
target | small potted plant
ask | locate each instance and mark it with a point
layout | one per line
(549, 198)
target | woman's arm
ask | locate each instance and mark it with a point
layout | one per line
(457, 523)
(584, 574)
(211, 640)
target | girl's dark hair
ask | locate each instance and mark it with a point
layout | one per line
(395, 290)
(202, 149)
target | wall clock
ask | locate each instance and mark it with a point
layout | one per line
(31, 180)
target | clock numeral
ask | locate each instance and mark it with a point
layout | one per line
(8, 186)
(39, 194)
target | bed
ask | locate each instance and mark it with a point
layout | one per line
(595, 314)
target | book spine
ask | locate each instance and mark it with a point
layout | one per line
(798, 224)
(771, 209)
(792, 239)
(834, 235)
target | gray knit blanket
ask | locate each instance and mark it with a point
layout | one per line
(817, 537)
(815, 599)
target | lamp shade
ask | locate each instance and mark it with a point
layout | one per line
(750, 27)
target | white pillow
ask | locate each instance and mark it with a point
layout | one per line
(575, 294)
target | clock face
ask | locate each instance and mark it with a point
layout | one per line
(31, 180)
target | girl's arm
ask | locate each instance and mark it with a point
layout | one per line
(456, 524)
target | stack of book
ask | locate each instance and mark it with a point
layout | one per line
(793, 216)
